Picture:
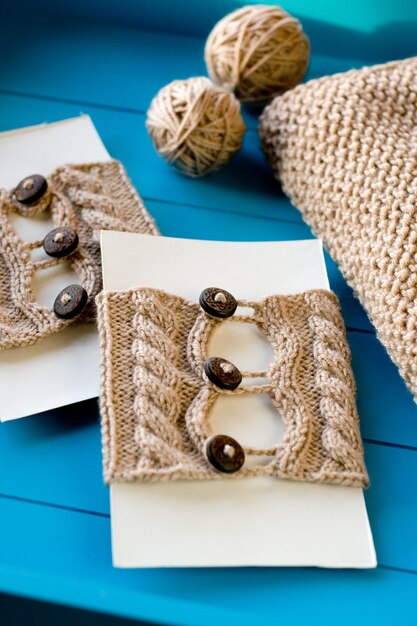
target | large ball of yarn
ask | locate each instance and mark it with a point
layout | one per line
(257, 52)
(195, 125)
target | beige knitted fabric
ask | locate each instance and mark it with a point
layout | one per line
(345, 150)
(87, 198)
(156, 398)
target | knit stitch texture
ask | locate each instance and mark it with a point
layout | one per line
(156, 399)
(345, 149)
(87, 198)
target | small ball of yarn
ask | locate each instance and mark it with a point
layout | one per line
(195, 125)
(257, 52)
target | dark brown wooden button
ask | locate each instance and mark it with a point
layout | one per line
(60, 242)
(31, 189)
(218, 302)
(225, 454)
(223, 373)
(70, 302)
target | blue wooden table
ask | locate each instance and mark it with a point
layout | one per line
(108, 59)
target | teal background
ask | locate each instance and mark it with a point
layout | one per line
(108, 59)
(368, 29)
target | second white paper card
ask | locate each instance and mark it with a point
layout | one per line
(62, 368)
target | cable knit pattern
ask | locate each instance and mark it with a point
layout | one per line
(156, 398)
(345, 150)
(87, 198)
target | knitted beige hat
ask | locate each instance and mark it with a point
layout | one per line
(345, 150)
(159, 387)
(82, 200)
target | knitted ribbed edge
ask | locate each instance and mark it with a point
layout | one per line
(87, 198)
(345, 150)
(156, 399)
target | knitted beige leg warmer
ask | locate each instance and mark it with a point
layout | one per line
(156, 399)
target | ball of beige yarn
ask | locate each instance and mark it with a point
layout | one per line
(195, 125)
(257, 52)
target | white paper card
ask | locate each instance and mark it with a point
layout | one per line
(257, 521)
(62, 368)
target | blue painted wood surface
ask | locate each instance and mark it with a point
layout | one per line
(54, 510)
